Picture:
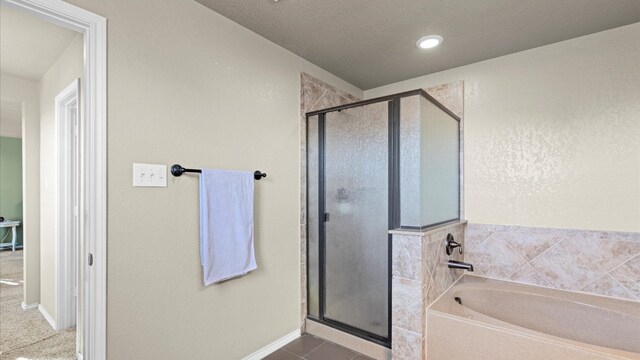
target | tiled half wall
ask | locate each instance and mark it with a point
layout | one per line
(420, 276)
(604, 263)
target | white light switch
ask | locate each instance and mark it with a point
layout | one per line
(149, 175)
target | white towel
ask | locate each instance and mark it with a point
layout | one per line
(226, 224)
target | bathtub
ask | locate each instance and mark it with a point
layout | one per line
(479, 318)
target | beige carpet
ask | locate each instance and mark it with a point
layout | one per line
(25, 334)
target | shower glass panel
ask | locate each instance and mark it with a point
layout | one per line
(429, 163)
(439, 168)
(410, 161)
(356, 200)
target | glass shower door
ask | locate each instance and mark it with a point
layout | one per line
(356, 204)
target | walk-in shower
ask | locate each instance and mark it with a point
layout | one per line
(373, 166)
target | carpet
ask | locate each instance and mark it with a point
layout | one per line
(25, 334)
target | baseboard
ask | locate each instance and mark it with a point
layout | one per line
(47, 317)
(30, 306)
(262, 353)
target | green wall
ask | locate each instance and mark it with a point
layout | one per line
(11, 183)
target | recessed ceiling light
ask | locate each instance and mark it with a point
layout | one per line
(428, 42)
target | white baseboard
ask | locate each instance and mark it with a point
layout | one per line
(30, 306)
(262, 353)
(48, 317)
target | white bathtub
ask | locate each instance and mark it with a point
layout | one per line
(503, 320)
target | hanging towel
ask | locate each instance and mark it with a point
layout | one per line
(226, 224)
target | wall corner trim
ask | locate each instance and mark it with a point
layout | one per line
(270, 348)
(47, 317)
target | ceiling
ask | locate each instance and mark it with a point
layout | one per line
(29, 45)
(370, 43)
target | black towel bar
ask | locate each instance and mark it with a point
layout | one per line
(177, 170)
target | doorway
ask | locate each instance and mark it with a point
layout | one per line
(80, 298)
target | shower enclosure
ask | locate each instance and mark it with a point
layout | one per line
(373, 166)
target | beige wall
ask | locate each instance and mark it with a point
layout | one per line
(191, 87)
(68, 67)
(26, 92)
(551, 134)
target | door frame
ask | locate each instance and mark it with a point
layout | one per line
(93, 166)
(67, 201)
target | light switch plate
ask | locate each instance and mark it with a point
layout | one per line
(149, 175)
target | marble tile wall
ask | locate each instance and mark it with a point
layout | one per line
(314, 95)
(420, 276)
(604, 263)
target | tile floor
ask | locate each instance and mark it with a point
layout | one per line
(309, 347)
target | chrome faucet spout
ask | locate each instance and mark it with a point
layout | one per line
(453, 264)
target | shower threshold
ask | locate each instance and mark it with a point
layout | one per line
(348, 340)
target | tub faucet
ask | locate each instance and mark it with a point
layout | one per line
(451, 244)
(452, 264)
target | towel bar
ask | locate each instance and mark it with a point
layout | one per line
(177, 170)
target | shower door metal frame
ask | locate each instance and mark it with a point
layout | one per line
(393, 214)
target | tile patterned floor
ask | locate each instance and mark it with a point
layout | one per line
(309, 347)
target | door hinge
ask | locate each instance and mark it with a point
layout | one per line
(326, 217)
(90, 259)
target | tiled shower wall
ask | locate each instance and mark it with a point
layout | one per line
(605, 263)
